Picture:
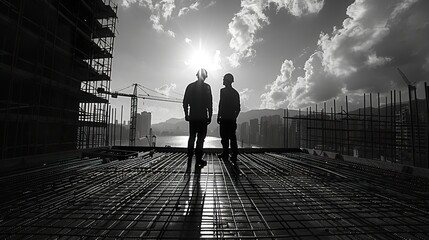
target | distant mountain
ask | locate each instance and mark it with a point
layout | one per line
(178, 126)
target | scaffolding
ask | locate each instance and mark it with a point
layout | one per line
(386, 128)
(53, 56)
(94, 113)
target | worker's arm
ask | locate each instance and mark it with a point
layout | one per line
(237, 106)
(210, 106)
(219, 112)
(186, 103)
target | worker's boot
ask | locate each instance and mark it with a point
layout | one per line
(200, 162)
(224, 156)
(234, 159)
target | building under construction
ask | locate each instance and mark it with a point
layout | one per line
(54, 54)
(55, 70)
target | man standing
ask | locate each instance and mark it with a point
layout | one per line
(229, 108)
(198, 97)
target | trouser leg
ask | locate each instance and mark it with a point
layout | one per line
(201, 135)
(191, 141)
(233, 137)
(224, 139)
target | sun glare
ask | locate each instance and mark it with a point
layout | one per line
(201, 58)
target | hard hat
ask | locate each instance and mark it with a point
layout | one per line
(228, 78)
(202, 74)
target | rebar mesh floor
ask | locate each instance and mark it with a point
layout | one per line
(265, 195)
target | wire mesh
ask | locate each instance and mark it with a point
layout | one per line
(265, 195)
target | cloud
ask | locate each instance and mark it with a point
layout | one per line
(166, 89)
(188, 41)
(161, 12)
(314, 86)
(185, 10)
(278, 91)
(251, 18)
(217, 61)
(244, 98)
(376, 37)
(360, 56)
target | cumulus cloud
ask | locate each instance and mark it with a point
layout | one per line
(278, 91)
(217, 61)
(375, 38)
(244, 98)
(188, 41)
(185, 10)
(360, 56)
(161, 12)
(251, 18)
(166, 89)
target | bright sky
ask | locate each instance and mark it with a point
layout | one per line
(282, 53)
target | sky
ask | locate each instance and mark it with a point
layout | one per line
(282, 53)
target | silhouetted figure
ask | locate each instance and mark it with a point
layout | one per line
(229, 108)
(198, 97)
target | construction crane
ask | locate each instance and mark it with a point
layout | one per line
(408, 82)
(134, 99)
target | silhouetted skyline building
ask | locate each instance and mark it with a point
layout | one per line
(254, 131)
(143, 124)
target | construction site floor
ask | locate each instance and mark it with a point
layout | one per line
(264, 196)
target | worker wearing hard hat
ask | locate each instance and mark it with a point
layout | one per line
(229, 108)
(198, 107)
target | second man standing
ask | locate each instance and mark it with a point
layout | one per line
(229, 108)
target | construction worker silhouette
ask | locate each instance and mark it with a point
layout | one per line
(229, 108)
(198, 107)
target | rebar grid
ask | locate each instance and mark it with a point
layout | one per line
(268, 195)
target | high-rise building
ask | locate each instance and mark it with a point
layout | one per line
(271, 131)
(254, 131)
(143, 124)
(244, 133)
(53, 57)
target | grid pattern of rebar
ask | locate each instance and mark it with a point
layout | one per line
(266, 195)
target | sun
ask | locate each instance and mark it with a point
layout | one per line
(203, 58)
(200, 59)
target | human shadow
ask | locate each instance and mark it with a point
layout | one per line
(193, 207)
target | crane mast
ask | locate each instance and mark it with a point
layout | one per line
(133, 116)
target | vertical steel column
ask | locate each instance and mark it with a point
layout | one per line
(323, 116)
(410, 89)
(309, 128)
(335, 126)
(379, 125)
(401, 122)
(299, 128)
(114, 130)
(394, 126)
(418, 130)
(365, 145)
(427, 124)
(342, 130)
(133, 117)
(284, 128)
(287, 127)
(306, 132)
(371, 126)
(348, 126)
(120, 131)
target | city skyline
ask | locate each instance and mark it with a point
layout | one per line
(282, 53)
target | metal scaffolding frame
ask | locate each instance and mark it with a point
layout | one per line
(385, 129)
(94, 115)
